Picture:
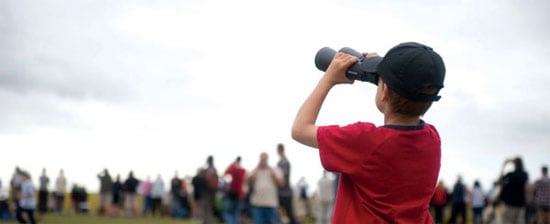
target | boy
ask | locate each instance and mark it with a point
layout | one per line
(388, 173)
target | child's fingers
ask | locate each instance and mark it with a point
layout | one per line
(370, 54)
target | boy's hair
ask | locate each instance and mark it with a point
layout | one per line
(402, 105)
(414, 74)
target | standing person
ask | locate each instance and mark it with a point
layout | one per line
(265, 180)
(145, 190)
(80, 198)
(44, 180)
(542, 197)
(76, 197)
(209, 193)
(60, 192)
(513, 192)
(530, 211)
(493, 201)
(26, 200)
(5, 213)
(234, 195)
(439, 201)
(15, 186)
(175, 191)
(388, 173)
(199, 184)
(105, 192)
(43, 192)
(478, 202)
(157, 193)
(130, 195)
(326, 198)
(117, 196)
(184, 194)
(286, 196)
(458, 200)
(303, 187)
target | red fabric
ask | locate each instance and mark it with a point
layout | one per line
(440, 196)
(387, 175)
(237, 179)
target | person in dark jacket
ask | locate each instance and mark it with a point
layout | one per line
(458, 200)
(513, 191)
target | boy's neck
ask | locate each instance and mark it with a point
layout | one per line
(400, 119)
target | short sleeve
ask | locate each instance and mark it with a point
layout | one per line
(341, 149)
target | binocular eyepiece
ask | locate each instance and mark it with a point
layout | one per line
(363, 70)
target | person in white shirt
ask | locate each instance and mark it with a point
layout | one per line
(265, 181)
(26, 200)
(157, 193)
(326, 198)
(60, 191)
(478, 202)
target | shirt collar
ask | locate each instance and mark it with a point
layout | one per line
(407, 127)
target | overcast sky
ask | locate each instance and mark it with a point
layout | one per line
(157, 86)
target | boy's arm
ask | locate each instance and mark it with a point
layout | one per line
(304, 129)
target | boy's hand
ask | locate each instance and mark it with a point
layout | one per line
(371, 54)
(336, 71)
(304, 129)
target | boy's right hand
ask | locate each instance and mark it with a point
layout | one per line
(336, 71)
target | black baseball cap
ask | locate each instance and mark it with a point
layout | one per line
(410, 67)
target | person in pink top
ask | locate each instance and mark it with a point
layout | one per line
(388, 173)
(145, 190)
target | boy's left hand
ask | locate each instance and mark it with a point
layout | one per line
(336, 71)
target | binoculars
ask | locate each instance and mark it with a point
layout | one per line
(363, 70)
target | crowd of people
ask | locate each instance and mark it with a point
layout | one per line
(512, 199)
(264, 194)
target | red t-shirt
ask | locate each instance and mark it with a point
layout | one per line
(440, 196)
(237, 179)
(387, 174)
